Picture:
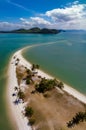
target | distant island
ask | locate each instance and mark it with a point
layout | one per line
(34, 30)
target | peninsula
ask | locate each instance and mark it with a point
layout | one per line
(49, 107)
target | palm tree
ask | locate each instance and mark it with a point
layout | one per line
(33, 67)
(37, 66)
(79, 117)
(60, 85)
(29, 111)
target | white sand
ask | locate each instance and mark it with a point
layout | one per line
(16, 110)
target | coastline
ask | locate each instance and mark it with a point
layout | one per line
(17, 118)
(66, 88)
(19, 122)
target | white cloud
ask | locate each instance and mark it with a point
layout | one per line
(71, 17)
(67, 14)
(25, 21)
(39, 21)
(9, 26)
(35, 21)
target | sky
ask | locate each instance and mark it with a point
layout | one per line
(58, 14)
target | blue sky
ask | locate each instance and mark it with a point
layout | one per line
(59, 14)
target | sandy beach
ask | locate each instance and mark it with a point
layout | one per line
(21, 122)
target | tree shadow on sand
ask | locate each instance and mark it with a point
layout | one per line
(17, 101)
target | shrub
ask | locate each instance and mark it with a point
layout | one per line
(60, 85)
(35, 66)
(28, 71)
(45, 85)
(29, 111)
(31, 121)
(27, 81)
(21, 95)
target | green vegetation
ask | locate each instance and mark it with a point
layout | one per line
(29, 114)
(60, 85)
(29, 76)
(35, 30)
(32, 121)
(27, 81)
(29, 111)
(29, 71)
(49, 31)
(45, 85)
(48, 84)
(79, 117)
(21, 95)
(35, 66)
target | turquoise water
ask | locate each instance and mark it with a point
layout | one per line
(65, 58)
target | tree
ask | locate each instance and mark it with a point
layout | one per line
(21, 95)
(27, 81)
(29, 71)
(79, 117)
(60, 85)
(45, 85)
(35, 66)
(29, 111)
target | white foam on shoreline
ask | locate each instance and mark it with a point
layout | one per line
(16, 110)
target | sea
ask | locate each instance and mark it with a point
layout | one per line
(62, 56)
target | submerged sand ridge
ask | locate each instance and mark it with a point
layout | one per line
(52, 112)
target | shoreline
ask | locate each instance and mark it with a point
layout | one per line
(16, 116)
(67, 88)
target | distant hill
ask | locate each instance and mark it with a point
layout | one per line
(34, 30)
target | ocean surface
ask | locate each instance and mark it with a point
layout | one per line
(62, 55)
